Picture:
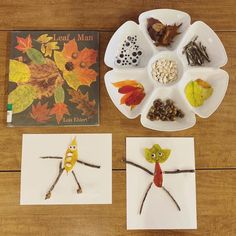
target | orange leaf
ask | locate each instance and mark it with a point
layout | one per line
(70, 48)
(24, 44)
(59, 110)
(125, 82)
(86, 58)
(125, 97)
(85, 76)
(40, 113)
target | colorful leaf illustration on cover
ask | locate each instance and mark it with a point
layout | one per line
(133, 92)
(45, 78)
(40, 112)
(18, 72)
(68, 164)
(21, 97)
(24, 43)
(47, 47)
(76, 64)
(88, 107)
(156, 154)
(25, 46)
(59, 110)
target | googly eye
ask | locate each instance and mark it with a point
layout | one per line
(153, 155)
(74, 147)
(70, 147)
(160, 154)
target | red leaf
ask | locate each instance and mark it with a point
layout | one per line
(40, 113)
(24, 44)
(59, 110)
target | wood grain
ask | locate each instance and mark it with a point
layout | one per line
(106, 15)
(215, 137)
(215, 208)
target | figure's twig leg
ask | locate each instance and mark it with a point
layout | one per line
(79, 190)
(48, 195)
(138, 166)
(177, 205)
(144, 198)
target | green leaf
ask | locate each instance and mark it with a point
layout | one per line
(35, 56)
(59, 95)
(22, 97)
(71, 79)
(18, 72)
(60, 60)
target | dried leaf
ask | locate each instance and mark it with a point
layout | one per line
(59, 95)
(18, 72)
(40, 113)
(59, 109)
(22, 97)
(44, 38)
(24, 44)
(49, 47)
(35, 56)
(84, 104)
(60, 60)
(125, 82)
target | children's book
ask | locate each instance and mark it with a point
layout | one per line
(53, 78)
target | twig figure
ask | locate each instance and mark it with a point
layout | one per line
(68, 163)
(157, 155)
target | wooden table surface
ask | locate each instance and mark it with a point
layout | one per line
(215, 137)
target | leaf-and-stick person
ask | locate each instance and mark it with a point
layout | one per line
(68, 164)
(157, 155)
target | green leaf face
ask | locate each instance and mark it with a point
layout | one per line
(156, 154)
(35, 56)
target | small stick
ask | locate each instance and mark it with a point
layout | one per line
(51, 157)
(144, 198)
(48, 195)
(79, 190)
(177, 171)
(138, 166)
(171, 198)
(87, 164)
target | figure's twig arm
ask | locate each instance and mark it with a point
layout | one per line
(177, 171)
(51, 157)
(88, 164)
(138, 166)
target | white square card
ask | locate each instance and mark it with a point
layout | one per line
(78, 183)
(170, 202)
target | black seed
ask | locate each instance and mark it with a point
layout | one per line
(134, 54)
(139, 53)
(118, 61)
(121, 55)
(134, 60)
(69, 66)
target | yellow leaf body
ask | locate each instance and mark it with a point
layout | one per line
(71, 156)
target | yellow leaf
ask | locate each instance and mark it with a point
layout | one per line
(44, 38)
(71, 79)
(43, 49)
(49, 47)
(18, 72)
(60, 60)
(21, 98)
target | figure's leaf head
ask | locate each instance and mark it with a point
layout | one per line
(73, 145)
(156, 154)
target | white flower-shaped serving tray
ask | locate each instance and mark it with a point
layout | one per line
(210, 72)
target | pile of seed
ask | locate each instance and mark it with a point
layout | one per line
(130, 53)
(196, 53)
(164, 110)
(165, 71)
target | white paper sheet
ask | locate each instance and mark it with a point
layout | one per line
(37, 175)
(159, 211)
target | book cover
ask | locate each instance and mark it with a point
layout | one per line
(54, 78)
